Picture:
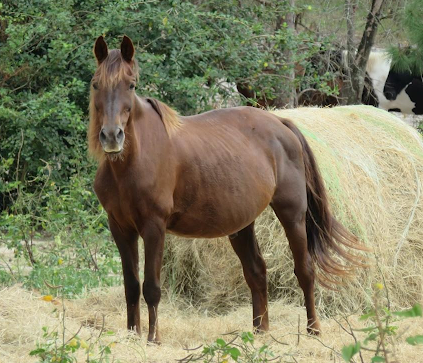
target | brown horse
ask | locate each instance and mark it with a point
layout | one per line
(208, 175)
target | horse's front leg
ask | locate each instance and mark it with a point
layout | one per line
(153, 236)
(127, 243)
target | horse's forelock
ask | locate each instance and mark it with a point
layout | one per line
(114, 68)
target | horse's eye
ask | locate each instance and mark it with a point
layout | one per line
(131, 86)
(128, 109)
(95, 86)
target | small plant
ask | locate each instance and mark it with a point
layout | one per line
(381, 331)
(240, 349)
(55, 349)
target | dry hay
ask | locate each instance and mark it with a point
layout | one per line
(372, 164)
(23, 314)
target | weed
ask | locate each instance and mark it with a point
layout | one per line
(380, 334)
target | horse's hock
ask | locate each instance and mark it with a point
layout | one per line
(372, 164)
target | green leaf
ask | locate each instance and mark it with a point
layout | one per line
(263, 348)
(235, 353)
(368, 329)
(367, 315)
(414, 340)
(415, 311)
(371, 337)
(247, 337)
(37, 351)
(207, 350)
(377, 358)
(221, 342)
(350, 350)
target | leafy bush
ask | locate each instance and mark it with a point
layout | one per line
(61, 233)
(55, 348)
(240, 349)
(380, 334)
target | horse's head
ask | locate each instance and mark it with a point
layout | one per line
(112, 97)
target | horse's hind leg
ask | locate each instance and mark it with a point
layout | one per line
(291, 214)
(245, 245)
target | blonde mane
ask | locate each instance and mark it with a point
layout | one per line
(94, 146)
(170, 117)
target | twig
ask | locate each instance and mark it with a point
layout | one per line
(277, 341)
(189, 349)
(10, 269)
(19, 157)
(381, 329)
(326, 346)
(298, 329)
(52, 286)
(93, 259)
(28, 248)
(354, 337)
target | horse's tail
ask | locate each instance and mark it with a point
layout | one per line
(326, 237)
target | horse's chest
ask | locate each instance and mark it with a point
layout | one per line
(130, 203)
(113, 197)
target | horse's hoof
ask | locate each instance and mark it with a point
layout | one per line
(154, 339)
(313, 331)
(261, 330)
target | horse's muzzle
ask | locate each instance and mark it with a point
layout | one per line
(112, 139)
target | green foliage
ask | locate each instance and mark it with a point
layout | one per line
(350, 351)
(77, 253)
(381, 330)
(73, 280)
(240, 349)
(55, 349)
(410, 58)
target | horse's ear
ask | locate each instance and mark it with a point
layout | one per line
(100, 49)
(127, 49)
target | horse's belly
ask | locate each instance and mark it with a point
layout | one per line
(218, 218)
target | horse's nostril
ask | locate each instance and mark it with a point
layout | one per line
(119, 135)
(102, 136)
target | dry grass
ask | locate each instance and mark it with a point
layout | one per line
(373, 167)
(23, 314)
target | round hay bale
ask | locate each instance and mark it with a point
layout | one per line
(372, 164)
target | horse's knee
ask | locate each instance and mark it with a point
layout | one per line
(255, 276)
(151, 292)
(305, 275)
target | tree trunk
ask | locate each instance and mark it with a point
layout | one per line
(357, 61)
(287, 97)
(348, 92)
